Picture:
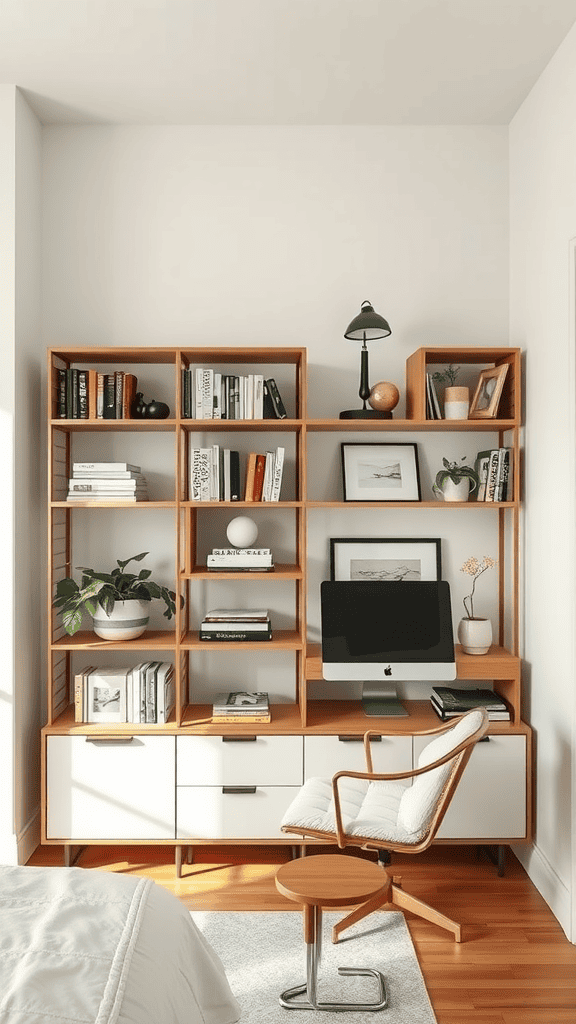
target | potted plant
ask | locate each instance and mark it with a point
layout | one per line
(455, 481)
(456, 399)
(117, 601)
(474, 632)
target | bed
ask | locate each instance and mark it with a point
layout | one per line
(83, 946)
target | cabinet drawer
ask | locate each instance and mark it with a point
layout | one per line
(205, 812)
(219, 761)
(490, 799)
(110, 789)
(326, 755)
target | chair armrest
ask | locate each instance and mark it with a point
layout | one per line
(436, 730)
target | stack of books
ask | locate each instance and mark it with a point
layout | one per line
(236, 624)
(240, 560)
(495, 472)
(241, 706)
(433, 409)
(106, 481)
(215, 475)
(86, 394)
(449, 702)
(140, 693)
(208, 394)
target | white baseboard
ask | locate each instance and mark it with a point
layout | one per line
(29, 838)
(549, 885)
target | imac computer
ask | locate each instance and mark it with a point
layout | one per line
(380, 633)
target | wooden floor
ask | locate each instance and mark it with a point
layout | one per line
(515, 965)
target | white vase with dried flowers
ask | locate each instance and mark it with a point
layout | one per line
(474, 632)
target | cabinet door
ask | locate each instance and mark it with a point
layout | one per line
(111, 789)
(205, 812)
(223, 761)
(326, 755)
(490, 800)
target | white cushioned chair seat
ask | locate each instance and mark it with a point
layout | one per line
(384, 810)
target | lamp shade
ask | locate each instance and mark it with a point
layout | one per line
(367, 325)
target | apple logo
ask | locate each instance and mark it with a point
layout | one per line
(388, 670)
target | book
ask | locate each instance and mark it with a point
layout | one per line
(118, 393)
(253, 701)
(75, 393)
(244, 562)
(493, 715)
(105, 474)
(250, 474)
(187, 394)
(234, 476)
(504, 489)
(92, 394)
(109, 412)
(258, 477)
(277, 475)
(268, 476)
(241, 719)
(235, 626)
(129, 395)
(105, 484)
(237, 614)
(61, 394)
(492, 478)
(451, 698)
(241, 551)
(100, 396)
(82, 394)
(481, 466)
(79, 686)
(435, 403)
(276, 399)
(112, 467)
(106, 496)
(235, 635)
(165, 691)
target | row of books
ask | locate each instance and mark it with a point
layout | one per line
(495, 469)
(106, 481)
(450, 702)
(208, 394)
(142, 693)
(236, 624)
(89, 395)
(241, 707)
(240, 560)
(215, 475)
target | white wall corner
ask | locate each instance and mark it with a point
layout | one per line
(549, 884)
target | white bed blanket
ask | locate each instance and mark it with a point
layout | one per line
(91, 947)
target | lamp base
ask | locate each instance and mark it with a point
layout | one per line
(365, 414)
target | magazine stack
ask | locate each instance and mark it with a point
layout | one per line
(241, 707)
(240, 560)
(450, 702)
(236, 624)
(106, 481)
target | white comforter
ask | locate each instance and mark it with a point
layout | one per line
(91, 947)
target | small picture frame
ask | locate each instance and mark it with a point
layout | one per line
(378, 471)
(484, 405)
(393, 559)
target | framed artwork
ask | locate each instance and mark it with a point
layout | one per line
(486, 398)
(378, 471)
(385, 558)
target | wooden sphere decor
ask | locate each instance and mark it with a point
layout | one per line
(384, 396)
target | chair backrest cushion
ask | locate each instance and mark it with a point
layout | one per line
(419, 802)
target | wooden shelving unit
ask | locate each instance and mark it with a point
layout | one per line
(180, 641)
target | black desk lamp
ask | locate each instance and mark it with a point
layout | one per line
(367, 326)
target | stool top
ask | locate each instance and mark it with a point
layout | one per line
(331, 880)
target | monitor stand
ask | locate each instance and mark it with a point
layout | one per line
(381, 700)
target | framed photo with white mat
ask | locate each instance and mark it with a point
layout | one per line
(385, 558)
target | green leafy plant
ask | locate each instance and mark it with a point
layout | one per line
(104, 589)
(455, 472)
(447, 376)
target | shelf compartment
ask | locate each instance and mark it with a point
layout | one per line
(282, 640)
(65, 725)
(498, 664)
(285, 719)
(282, 571)
(151, 640)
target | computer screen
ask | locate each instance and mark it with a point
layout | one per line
(380, 631)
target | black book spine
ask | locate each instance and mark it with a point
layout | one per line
(119, 392)
(186, 394)
(69, 393)
(234, 476)
(83, 394)
(109, 397)
(62, 394)
(276, 398)
(268, 404)
(222, 635)
(75, 395)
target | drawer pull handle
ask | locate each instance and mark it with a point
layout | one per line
(484, 739)
(238, 789)
(109, 739)
(358, 739)
(239, 739)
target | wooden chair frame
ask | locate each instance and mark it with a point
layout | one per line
(393, 893)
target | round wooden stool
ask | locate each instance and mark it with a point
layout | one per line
(331, 880)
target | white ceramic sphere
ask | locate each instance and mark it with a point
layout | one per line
(242, 532)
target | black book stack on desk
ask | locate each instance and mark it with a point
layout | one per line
(450, 702)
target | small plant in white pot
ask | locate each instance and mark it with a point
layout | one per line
(454, 482)
(474, 632)
(118, 601)
(456, 399)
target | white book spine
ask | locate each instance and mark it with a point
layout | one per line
(217, 398)
(258, 396)
(278, 470)
(204, 473)
(195, 474)
(268, 477)
(207, 394)
(215, 472)
(198, 409)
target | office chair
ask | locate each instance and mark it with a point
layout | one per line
(376, 812)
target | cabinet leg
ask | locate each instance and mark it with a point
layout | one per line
(178, 861)
(189, 854)
(72, 854)
(495, 854)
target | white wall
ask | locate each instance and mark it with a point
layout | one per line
(542, 229)
(20, 692)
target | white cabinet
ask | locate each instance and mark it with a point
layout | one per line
(490, 799)
(235, 788)
(326, 755)
(120, 788)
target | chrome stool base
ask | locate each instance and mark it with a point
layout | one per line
(289, 1001)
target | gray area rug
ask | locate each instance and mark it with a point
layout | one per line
(264, 953)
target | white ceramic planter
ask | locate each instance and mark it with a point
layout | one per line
(456, 403)
(453, 492)
(475, 635)
(127, 620)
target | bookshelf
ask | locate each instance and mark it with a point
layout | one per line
(68, 773)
